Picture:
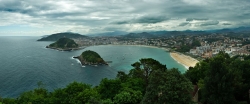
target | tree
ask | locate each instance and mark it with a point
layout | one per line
(7, 101)
(75, 92)
(122, 76)
(88, 95)
(194, 74)
(38, 95)
(218, 83)
(168, 86)
(108, 88)
(241, 71)
(128, 97)
(145, 67)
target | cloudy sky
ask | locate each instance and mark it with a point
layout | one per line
(43, 17)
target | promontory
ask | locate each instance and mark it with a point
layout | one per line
(55, 37)
(90, 58)
(64, 44)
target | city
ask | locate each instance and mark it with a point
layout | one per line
(199, 46)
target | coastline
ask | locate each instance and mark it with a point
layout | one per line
(182, 59)
(166, 49)
(185, 60)
(68, 49)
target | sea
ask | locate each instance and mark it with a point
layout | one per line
(24, 62)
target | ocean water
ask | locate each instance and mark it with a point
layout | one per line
(25, 61)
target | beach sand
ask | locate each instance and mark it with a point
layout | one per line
(187, 61)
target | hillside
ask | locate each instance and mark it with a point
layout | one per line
(90, 58)
(63, 44)
(139, 35)
(55, 37)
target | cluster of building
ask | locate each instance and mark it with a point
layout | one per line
(210, 45)
(230, 45)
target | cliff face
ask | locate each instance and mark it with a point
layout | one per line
(64, 44)
(90, 58)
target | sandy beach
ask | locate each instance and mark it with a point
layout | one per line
(187, 61)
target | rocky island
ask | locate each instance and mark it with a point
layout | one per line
(90, 58)
(64, 44)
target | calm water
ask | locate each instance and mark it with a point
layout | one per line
(24, 62)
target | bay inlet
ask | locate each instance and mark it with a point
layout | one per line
(24, 62)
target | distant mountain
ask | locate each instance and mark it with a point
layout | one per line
(139, 35)
(55, 37)
(235, 30)
(114, 33)
(157, 34)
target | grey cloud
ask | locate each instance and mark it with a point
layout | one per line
(226, 24)
(85, 13)
(120, 22)
(183, 24)
(199, 19)
(144, 19)
(150, 19)
(24, 7)
(208, 23)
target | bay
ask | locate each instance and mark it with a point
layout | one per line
(25, 61)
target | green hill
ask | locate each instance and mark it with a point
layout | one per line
(63, 44)
(55, 37)
(90, 58)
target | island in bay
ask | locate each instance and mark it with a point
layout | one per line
(90, 58)
(64, 44)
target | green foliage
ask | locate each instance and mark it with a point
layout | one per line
(144, 68)
(196, 43)
(184, 48)
(76, 91)
(107, 101)
(128, 97)
(220, 79)
(122, 76)
(37, 96)
(246, 42)
(64, 43)
(91, 56)
(136, 84)
(168, 86)
(8, 101)
(194, 74)
(108, 88)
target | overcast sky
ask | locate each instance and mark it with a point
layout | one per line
(43, 17)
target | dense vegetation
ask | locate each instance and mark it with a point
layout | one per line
(90, 57)
(187, 47)
(64, 43)
(221, 80)
(149, 82)
(55, 37)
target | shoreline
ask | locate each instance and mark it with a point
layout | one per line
(68, 49)
(185, 60)
(163, 48)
